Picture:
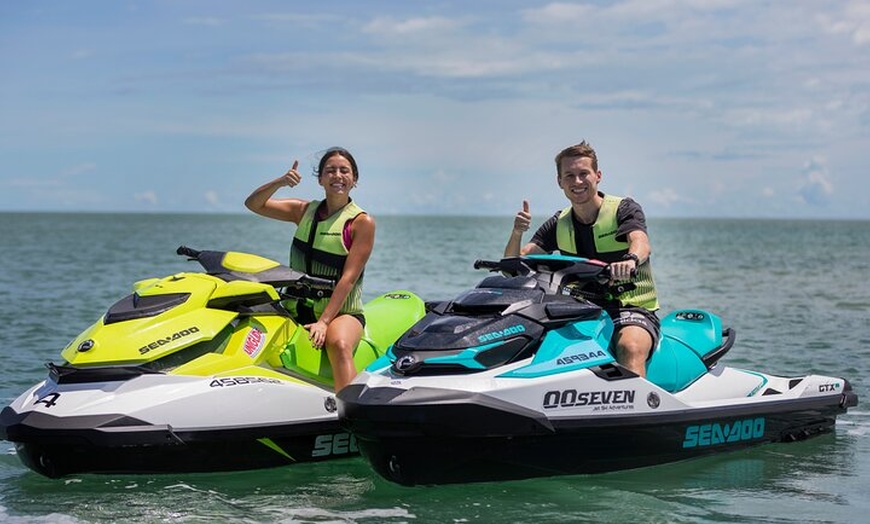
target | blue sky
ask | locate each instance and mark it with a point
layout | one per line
(698, 108)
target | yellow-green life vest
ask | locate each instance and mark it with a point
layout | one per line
(318, 249)
(609, 249)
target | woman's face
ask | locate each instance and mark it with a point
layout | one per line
(337, 175)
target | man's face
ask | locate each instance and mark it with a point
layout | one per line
(577, 178)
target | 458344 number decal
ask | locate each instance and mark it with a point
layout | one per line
(166, 340)
(241, 381)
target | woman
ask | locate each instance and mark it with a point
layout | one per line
(334, 239)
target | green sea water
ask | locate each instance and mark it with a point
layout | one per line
(795, 291)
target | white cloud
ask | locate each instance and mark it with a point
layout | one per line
(212, 197)
(665, 197)
(79, 169)
(57, 181)
(442, 178)
(815, 188)
(559, 13)
(387, 27)
(444, 47)
(296, 20)
(148, 197)
(33, 183)
(207, 21)
(853, 21)
(770, 117)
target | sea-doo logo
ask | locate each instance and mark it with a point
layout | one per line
(653, 400)
(570, 398)
(397, 296)
(171, 338)
(338, 444)
(581, 357)
(506, 332)
(87, 345)
(715, 433)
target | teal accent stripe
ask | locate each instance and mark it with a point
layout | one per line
(466, 357)
(758, 387)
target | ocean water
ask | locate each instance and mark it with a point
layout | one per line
(795, 291)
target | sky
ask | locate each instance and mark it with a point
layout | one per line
(696, 108)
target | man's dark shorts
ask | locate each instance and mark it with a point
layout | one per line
(636, 316)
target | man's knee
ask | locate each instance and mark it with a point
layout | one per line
(634, 341)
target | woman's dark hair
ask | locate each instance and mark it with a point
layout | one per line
(331, 152)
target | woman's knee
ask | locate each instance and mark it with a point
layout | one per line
(342, 347)
(343, 336)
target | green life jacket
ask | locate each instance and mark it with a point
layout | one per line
(318, 249)
(608, 249)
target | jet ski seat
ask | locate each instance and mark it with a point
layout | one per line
(692, 342)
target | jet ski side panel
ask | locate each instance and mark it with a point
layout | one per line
(437, 437)
(161, 449)
(160, 423)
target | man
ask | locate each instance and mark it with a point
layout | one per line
(607, 228)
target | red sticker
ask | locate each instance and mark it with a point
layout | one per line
(254, 342)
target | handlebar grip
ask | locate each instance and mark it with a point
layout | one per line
(188, 252)
(486, 264)
(317, 281)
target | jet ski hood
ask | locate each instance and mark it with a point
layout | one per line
(501, 321)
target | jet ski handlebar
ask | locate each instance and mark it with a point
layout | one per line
(187, 252)
(491, 265)
(316, 282)
(588, 269)
(561, 274)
